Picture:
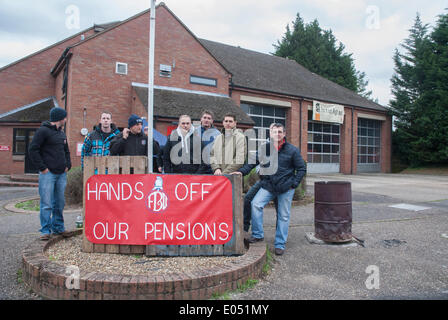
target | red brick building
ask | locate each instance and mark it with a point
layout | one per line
(106, 68)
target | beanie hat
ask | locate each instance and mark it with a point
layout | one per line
(57, 114)
(133, 120)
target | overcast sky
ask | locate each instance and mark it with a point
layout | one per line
(370, 30)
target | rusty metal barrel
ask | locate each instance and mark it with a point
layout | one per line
(333, 211)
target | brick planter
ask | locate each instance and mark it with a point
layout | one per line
(48, 279)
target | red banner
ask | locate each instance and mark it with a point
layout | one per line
(155, 209)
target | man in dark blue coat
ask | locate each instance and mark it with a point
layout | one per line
(281, 171)
(50, 154)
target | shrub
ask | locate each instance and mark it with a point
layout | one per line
(73, 191)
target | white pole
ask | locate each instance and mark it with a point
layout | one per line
(152, 34)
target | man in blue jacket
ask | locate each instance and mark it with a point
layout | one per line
(50, 154)
(97, 142)
(281, 171)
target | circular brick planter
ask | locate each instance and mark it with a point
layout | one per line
(48, 279)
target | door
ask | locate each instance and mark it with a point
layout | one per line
(22, 141)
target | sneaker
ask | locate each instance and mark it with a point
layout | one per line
(253, 239)
(279, 252)
(45, 237)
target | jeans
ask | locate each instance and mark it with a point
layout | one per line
(247, 212)
(52, 202)
(283, 214)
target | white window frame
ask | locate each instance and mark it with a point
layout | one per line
(121, 63)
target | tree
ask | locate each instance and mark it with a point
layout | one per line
(319, 51)
(419, 87)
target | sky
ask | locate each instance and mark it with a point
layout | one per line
(369, 30)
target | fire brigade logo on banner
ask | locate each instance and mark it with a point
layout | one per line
(157, 200)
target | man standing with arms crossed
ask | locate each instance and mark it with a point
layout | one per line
(281, 170)
(50, 154)
(229, 151)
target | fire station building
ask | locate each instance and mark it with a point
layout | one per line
(105, 68)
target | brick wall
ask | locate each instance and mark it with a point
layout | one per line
(93, 83)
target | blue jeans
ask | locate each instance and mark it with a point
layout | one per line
(283, 214)
(250, 195)
(52, 202)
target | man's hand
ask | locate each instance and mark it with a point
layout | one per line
(160, 169)
(218, 172)
(236, 172)
(126, 133)
(45, 171)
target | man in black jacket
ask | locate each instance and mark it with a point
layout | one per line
(133, 142)
(281, 171)
(183, 150)
(50, 154)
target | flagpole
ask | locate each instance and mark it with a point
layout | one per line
(152, 33)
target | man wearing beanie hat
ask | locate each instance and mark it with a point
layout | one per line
(133, 142)
(50, 154)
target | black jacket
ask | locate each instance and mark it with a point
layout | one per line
(49, 149)
(286, 174)
(135, 145)
(188, 160)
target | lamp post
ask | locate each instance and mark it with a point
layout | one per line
(152, 34)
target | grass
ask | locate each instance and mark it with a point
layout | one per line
(434, 170)
(30, 205)
(250, 283)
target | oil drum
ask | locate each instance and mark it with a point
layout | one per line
(333, 211)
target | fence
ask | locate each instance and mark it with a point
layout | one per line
(138, 165)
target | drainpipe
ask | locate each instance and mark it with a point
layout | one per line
(300, 124)
(352, 148)
(67, 64)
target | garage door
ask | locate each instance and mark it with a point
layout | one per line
(323, 147)
(369, 145)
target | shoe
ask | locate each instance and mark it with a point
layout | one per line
(253, 240)
(279, 252)
(45, 237)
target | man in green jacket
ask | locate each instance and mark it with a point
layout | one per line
(229, 151)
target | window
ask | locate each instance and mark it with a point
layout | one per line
(121, 68)
(263, 116)
(22, 139)
(203, 81)
(369, 145)
(323, 141)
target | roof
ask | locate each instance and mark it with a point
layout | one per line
(259, 71)
(37, 111)
(172, 104)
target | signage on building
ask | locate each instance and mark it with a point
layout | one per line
(328, 112)
(5, 148)
(154, 209)
(79, 149)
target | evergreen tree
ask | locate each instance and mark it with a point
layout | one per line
(319, 51)
(420, 90)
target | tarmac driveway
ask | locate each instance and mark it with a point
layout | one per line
(405, 254)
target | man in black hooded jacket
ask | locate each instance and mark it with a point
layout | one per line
(133, 142)
(50, 154)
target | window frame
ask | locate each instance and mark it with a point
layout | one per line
(204, 78)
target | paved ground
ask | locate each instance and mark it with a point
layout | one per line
(407, 249)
